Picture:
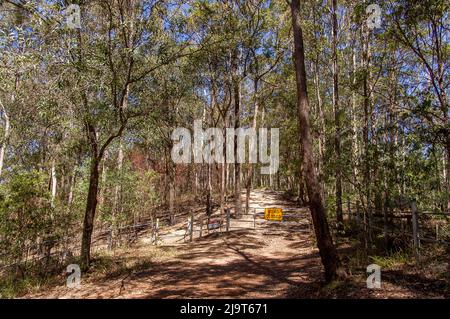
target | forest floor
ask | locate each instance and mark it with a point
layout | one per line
(273, 260)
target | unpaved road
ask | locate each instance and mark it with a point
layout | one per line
(275, 260)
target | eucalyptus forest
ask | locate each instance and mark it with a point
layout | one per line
(343, 102)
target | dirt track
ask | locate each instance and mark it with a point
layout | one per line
(275, 260)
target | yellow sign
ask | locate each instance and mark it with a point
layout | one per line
(273, 214)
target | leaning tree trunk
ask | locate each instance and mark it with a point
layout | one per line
(325, 244)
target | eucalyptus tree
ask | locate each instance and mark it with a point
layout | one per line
(422, 28)
(119, 44)
(327, 249)
(267, 47)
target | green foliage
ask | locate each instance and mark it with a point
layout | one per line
(398, 258)
(27, 215)
(25, 212)
(151, 69)
(137, 195)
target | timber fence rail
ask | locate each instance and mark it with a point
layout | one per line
(412, 228)
(106, 238)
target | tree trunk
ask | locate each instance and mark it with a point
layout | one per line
(355, 155)
(172, 201)
(325, 244)
(367, 115)
(53, 183)
(104, 171)
(71, 187)
(223, 186)
(117, 203)
(250, 167)
(237, 166)
(5, 136)
(115, 211)
(321, 121)
(446, 171)
(91, 206)
(170, 188)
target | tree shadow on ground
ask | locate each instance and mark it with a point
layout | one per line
(199, 272)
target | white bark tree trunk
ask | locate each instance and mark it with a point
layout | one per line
(5, 136)
(54, 181)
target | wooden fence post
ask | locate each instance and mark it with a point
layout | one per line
(228, 219)
(415, 227)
